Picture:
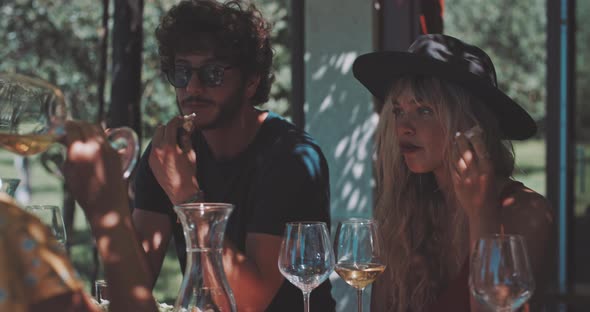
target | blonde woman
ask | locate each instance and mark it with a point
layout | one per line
(444, 166)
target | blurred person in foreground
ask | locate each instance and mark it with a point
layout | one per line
(35, 272)
(444, 166)
(218, 58)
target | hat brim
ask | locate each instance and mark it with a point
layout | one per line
(378, 70)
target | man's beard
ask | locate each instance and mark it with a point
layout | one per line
(227, 113)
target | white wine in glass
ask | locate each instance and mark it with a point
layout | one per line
(358, 251)
(33, 116)
(359, 276)
(28, 144)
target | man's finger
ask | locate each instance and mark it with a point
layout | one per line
(158, 138)
(185, 143)
(171, 130)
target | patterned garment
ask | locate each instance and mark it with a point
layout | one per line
(33, 265)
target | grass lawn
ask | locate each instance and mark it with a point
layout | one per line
(530, 164)
(530, 169)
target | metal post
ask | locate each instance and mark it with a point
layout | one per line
(560, 127)
(297, 29)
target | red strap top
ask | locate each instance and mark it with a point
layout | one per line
(455, 298)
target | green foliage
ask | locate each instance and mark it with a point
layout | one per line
(59, 40)
(582, 70)
(513, 33)
(276, 12)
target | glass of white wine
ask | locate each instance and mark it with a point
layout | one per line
(33, 115)
(358, 252)
(306, 257)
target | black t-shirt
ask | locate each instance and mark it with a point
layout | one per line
(281, 176)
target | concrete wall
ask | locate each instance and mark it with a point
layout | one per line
(339, 112)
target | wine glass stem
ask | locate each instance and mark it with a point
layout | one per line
(360, 299)
(306, 301)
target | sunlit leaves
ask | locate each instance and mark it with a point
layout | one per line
(513, 33)
(59, 40)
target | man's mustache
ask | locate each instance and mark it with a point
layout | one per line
(197, 99)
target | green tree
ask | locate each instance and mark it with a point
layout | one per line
(56, 41)
(582, 70)
(513, 33)
(59, 40)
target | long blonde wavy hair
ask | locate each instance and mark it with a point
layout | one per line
(426, 240)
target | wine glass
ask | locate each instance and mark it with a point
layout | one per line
(359, 259)
(9, 186)
(306, 258)
(500, 274)
(33, 115)
(101, 290)
(50, 216)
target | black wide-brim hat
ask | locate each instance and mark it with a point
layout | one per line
(451, 59)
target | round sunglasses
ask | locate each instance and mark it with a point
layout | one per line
(210, 75)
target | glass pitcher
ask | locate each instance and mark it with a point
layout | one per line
(204, 286)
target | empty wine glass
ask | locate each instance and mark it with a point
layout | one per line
(306, 257)
(33, 114)
(500, 273)
(101, 290)
(358, 252)
(50, 216)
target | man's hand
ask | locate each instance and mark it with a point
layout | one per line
(174, 166)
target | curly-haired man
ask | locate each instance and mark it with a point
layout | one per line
(218, 58)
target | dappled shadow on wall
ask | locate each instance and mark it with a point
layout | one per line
(339, 114)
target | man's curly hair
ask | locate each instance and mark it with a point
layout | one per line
(233, 31)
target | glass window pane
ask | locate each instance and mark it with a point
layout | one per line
(515, 39)
(582, 150)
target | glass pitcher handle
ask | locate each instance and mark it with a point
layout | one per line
(124, 140)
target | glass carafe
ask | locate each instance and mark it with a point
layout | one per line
(204, 286)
